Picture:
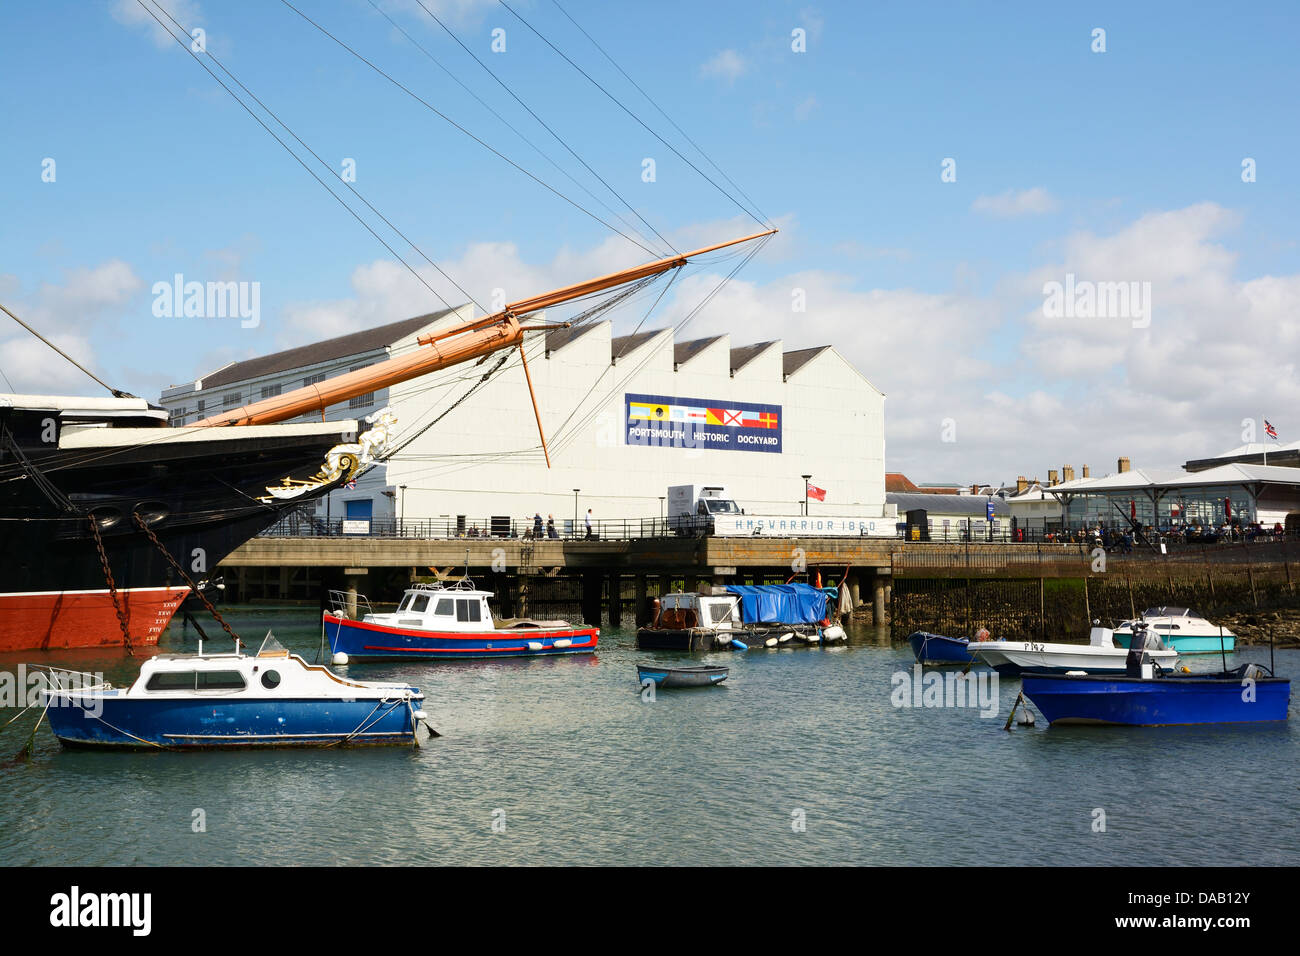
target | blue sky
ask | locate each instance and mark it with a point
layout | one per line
(1127, 163)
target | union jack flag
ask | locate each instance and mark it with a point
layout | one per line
(1269, 430)
(351, 485)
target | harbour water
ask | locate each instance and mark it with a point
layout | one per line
(801, 757)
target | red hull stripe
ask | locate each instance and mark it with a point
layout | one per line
(493, 635)
(470, 650)
(54, 620)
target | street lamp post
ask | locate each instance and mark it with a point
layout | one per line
(805, 494)
(402, 515)
(575, 511)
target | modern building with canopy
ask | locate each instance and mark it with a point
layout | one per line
(1232, 493)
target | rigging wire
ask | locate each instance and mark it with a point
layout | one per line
(186, 47)
(652, 102)
(113, 391)
(545, 126)
(510, 126)
(349, 185)
(437, 112)
(638, 119)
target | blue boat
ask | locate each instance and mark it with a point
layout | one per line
(937, 649)
(1246, 694)
(665, 675)
(202, 701)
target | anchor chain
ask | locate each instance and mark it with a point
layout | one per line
(112, 586)
(185, 576)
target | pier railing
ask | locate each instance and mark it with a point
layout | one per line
(1038, 544)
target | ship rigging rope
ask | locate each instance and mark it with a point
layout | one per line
(638, 119)
(505, 122)
(545, 126)
(327, 166)
(496, 152)
(113, 391)
(652, 102)
(185, 45)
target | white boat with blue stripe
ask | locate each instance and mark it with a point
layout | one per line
(272, 698)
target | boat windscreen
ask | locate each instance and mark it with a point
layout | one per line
(271, 647)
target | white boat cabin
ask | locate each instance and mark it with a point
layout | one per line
(272, 673)
(717, 612)
(439, 607)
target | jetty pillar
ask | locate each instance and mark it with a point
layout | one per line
(878, 603)
(641, 610)
(591, 588)
(615, 600)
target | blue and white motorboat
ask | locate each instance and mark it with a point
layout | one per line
(938, 649)
(1182, 629)
(1247, 694)
(269, 699)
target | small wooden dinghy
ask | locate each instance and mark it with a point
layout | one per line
(703, 675)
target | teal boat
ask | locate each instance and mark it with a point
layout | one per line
(1181, 629)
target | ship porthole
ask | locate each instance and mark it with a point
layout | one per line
(271, 680)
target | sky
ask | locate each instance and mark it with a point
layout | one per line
(944, 176)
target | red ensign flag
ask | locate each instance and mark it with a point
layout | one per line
(815, 492)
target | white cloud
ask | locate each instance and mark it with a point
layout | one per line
(1014, 203)
(727, 64)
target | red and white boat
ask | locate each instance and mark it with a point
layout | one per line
(445, 621)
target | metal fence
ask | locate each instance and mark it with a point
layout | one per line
(305, 523)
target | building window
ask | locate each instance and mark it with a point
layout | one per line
(178, 414)
(270, 391)
(202, 403)
(313, 379)
(230, 400)
(361, 401)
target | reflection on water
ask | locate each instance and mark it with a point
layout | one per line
(800, 757)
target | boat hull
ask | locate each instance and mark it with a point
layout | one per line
(109, 721)
(938, 649)
(681, 676)
(362, 641)
(1139, 702)
(55, 620)
(1012, 658)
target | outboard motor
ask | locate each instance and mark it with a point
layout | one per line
(1144, 639)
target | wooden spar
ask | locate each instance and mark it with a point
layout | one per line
(472, 340)
(523, 357)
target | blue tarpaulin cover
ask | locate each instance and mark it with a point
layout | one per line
(780, 603)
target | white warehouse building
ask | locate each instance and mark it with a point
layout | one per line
(624, 416)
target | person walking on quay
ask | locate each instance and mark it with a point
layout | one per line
(588, 522)
(537, 524)
(550, 527)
